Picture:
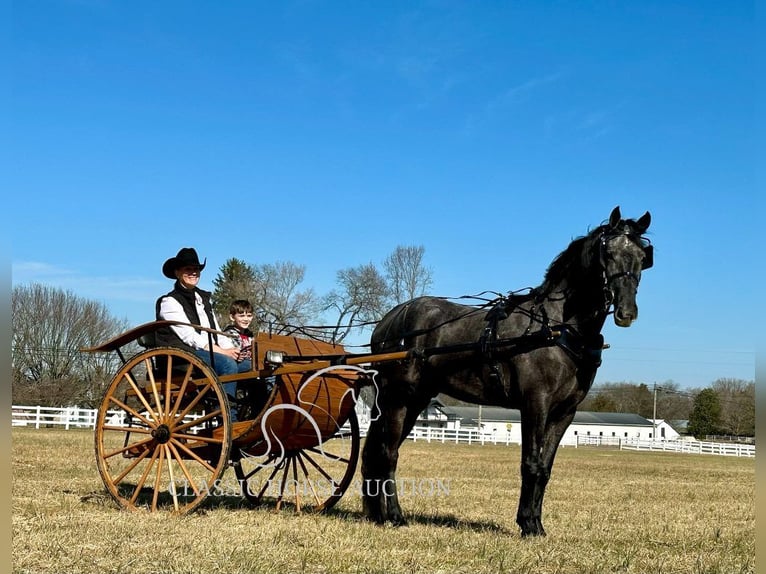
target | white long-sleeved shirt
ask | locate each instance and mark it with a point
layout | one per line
(171, 310)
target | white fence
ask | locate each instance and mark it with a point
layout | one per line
(691, 447)
(473, 436)
(44, 417)
(67, 417)
(684, 446)
(73, 417)
(457, 436)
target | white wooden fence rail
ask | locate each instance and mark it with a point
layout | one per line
(685, 446)
(67, 417)
(73, 417)
(693, 447)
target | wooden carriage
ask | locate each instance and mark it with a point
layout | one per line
(164, 435)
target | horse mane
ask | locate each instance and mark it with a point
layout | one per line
(572, 264)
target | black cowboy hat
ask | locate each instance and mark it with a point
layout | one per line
(187, 257)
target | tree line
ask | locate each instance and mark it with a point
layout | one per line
(726, 407)
(361, 297)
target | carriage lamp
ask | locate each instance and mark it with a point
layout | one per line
(275, 357)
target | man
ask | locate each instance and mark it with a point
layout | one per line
(188, 303)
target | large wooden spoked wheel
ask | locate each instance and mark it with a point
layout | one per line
(308, 479)
(156, 448)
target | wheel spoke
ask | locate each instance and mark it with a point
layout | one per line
(192, 454)
(139, 392)
(258, 468)
(155, 494)
(265, 485)
(168, 384)
(133, 412)
(128, 447)
(319, 468)
(328, 454)
(142, 480)
(196, 437)
(197, 421)
(195, 400)
(283, 484)
(297, 490)
(182, 390)
(137, 430)
(182, 464)
(150, 373)
(308, 480)
(132, 465)
(173, 492)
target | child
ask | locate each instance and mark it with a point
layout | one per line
(241, 315)
(250, 399)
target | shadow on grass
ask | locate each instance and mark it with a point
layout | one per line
(441, 520)
(232, 502)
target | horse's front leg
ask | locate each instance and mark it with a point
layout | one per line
(554, 431)
(533, 475)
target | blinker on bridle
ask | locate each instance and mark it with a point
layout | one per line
(645, 264)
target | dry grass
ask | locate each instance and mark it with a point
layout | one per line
(606, 511)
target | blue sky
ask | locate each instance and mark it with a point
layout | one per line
(328, 133)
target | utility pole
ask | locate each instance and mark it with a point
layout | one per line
(654, 413)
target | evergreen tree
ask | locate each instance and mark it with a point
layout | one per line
(705, 417)
(235, 280)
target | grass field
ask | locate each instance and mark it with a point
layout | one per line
(606, 511)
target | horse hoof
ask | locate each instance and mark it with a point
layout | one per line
(398, 521)
(375, 518)
(531, 527)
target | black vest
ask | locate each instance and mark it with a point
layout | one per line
(166, 337)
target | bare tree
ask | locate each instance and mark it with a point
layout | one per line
(621, 398)
(737, 400)
(639, 398)
(673, 403)
(361, 298)
(406, 274)
(49, 327)
(286, 306)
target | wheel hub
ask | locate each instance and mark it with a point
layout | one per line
(161, 434)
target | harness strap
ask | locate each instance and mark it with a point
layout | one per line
(584, 352)
(489, 335)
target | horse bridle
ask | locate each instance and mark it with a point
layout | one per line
(608, 279)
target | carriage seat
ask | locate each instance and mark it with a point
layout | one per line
(148, 340)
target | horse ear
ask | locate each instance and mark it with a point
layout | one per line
(615, 217)
(644, 221)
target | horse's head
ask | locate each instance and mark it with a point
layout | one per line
(624, 253)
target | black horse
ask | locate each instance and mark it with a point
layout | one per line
(537, 352)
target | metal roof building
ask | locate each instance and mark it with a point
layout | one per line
(505, 424)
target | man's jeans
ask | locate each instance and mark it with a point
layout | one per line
(225, 365)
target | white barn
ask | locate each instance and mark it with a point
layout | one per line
(502, 424)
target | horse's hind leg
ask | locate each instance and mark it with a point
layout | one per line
(380, 457)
